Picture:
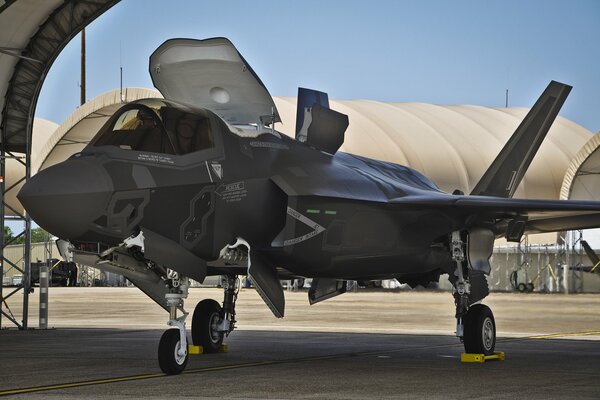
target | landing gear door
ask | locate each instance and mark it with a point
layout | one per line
(479, 249)
(323, 289)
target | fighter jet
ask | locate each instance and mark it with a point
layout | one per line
(200, 184)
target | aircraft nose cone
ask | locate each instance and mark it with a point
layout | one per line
(65, 198)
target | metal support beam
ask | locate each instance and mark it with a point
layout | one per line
(25, 160)
(2, 239)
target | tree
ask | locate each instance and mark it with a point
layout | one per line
(38, 235)
(8, 235)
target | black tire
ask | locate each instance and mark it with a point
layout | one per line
(168, 360)
(521, 287)
(479, 330)
(207, 315)
(529, 287)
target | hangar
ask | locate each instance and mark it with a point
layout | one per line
(32, 35)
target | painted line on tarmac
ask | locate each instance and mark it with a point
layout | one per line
(130, 378)
(569, 334)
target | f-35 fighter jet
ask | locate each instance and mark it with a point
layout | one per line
(200, 183)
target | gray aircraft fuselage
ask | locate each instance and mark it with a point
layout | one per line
(311, 213)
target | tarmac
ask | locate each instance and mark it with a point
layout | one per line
(384, 345)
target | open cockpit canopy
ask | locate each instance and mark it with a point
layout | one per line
(212, 74)
(159, 126)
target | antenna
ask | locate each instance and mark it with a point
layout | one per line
(82, 84)
(506, 103)
(121, 72)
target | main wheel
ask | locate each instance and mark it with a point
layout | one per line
(479, 330)
(207, 315)
(169, 360)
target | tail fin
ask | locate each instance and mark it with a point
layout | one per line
(590, 253)
(506, 172)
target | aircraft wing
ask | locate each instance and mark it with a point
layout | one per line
(535, 216)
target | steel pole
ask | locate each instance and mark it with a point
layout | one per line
(2, 222)
(44, 278)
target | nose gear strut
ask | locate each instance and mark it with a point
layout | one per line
(173, 346)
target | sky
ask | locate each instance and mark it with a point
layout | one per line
(442, 52)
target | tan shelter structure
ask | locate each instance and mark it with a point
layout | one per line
(42, 131)
(581, 178)
(452, 145)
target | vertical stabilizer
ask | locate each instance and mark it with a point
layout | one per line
(590, 253)
(506, 172)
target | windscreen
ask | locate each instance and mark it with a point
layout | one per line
(157, 126)
(135, 127)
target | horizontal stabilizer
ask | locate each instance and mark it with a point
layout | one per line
(506, 172)
(537, 216)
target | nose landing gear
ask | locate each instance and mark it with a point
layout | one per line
(173, 346)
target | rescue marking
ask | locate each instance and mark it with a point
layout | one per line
(156, 158)
(306, 221)
(232, 192)
(218, 169)
(269, 145)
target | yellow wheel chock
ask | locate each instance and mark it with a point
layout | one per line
(196, 350)
(481, 358)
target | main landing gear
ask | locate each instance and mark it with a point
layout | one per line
(210, 323)
(475, 324)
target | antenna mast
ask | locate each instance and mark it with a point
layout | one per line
(121, 72)
(82, 84)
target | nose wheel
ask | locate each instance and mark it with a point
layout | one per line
(172, 355)
(173, 346)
